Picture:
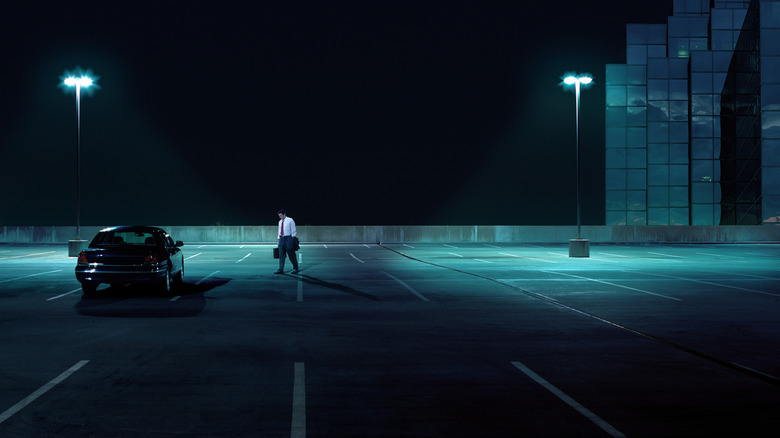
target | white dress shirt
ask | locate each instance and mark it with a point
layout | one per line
(289, 226)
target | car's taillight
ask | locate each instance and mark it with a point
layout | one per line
(150, 259)
(83, 259)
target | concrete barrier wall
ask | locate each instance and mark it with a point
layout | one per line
(425, 234)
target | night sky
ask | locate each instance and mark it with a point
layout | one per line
(353, 113)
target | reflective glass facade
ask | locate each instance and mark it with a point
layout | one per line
(692, 118)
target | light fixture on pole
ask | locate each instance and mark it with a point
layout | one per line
(81, 82)
(578, 247)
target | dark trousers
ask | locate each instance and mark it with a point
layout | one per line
(285, 249)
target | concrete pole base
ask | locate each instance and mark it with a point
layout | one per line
(76, 246)
(579, 248)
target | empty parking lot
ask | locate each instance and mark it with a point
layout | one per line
(399, 340)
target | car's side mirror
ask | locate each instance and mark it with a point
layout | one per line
(179, 243)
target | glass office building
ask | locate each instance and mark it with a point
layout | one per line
(693, 118)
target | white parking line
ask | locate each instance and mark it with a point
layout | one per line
(529, 258)
(244, 258)
(206, 277)
(408, 246)
(65, 294)
(483, 261)
(353, 256)
(298, 428)
(616, 285)
(491, 246)
(612, 255)
(563, 254)
(715, 284)
(193, 256)
(366, 245)
(719, 256)
(456, 255)
(569, 401)
(760, 277)
(450, 246)
(26, 255)
(29, 276)
(603, 260)
(300, 290)
(417, 294)
(42, 390)
(665, 255)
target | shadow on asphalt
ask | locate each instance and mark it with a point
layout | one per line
(144, 302)
(335, 286)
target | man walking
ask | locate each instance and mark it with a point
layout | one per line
(285, 243)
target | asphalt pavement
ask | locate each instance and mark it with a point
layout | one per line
(416, 340)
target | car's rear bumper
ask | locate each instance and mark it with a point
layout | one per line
(89, 274)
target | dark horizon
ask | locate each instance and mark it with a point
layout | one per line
(434, 114)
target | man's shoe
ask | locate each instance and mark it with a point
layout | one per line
(279, 272)
(294, 271)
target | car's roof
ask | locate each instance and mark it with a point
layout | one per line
(137, 228)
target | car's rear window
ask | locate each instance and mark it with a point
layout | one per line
(123, 238)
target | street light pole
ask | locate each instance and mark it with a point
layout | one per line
(577, 148)
(78, 83)
(578, 247)
(78, 161)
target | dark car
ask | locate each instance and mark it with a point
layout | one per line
(131, 255)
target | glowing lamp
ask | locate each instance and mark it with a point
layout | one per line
(571, 80)
(84, 81)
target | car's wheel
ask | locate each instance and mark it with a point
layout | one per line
(167, 285)
(179, 278)
(89, 288)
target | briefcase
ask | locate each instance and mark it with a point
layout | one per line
(276, 252)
